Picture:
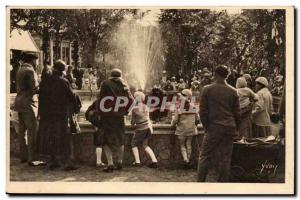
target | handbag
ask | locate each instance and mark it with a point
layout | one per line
(92, 115)
(74, 125)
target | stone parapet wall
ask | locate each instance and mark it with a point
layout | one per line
(163, 142)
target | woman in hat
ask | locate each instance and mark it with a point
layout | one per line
(246, 97)
(262, 109)
(93, 83)
(186, 119)
(174, 83)
(249, 80)
(181, 85)
(56, 101)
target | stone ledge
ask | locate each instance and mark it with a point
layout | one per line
(158, 129)
(163, 142)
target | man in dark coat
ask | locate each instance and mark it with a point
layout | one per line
(69, 75)
(112, 122)
(56, 100)
(219, 114)
(26, 106)
(78, 74)
(233, 76)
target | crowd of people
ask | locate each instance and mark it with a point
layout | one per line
(230, 106)
(200, 78)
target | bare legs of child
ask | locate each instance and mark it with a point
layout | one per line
(186, 148)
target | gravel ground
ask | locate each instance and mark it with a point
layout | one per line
(23, 172)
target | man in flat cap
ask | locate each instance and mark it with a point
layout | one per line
(112, 122)
(219, 114)
(26, 106)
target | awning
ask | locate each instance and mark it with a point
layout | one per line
(22, 40)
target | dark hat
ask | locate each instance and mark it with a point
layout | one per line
(29, 56)
(116, 73)
(59, 65)
(222, 71)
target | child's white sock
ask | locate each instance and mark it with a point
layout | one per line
(136, 155)
(121, 154)
(184, 153)
(98, 155)
(151, 154)
(189, 153)
(189, 147)
(108, 154)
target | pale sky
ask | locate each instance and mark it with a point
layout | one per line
(230, 11)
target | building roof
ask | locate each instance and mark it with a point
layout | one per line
(22, 40)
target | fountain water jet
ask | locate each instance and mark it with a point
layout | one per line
(139, 40)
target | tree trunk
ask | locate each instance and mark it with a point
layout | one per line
(92, 53)
(45, 45)
(57, 43)
(104, 65)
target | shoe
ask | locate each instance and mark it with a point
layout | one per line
(136, 164)
(119, 166)
(187, 165)
(153, 165)
(37, 163)
(109, 169)
(100, 165)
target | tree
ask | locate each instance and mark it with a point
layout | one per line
(93, 26)
(195, 39)
(17, 18)
(75, 52)
(190, 34)
(43, 22)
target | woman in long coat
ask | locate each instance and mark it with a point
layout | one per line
(56, 98)
(263, 109)
(43, 110)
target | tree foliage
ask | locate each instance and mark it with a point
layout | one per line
(192, 38)
(92, 27)
(205, 38)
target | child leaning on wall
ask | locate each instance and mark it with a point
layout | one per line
(143, 129)
(186, 119)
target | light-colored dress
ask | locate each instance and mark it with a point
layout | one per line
(245, 96)
(93, 83)
(261, 113)
(185, 122)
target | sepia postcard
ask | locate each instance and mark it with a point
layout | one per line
(150, 100)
